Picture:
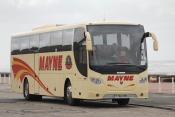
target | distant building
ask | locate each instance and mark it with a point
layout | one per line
(4, 77)
(4, 74)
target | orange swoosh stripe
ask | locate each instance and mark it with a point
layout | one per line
(21, 69)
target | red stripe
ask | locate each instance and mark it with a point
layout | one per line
(29, 71)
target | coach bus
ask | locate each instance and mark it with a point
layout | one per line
(92, 61)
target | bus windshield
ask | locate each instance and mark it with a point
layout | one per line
(117, 46)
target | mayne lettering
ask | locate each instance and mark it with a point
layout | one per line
(48, 63)
(120, 78)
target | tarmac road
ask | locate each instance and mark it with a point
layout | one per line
(13, 105)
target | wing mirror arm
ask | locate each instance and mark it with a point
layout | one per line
(153, 36)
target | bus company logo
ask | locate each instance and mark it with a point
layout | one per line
(47, 63)
(68, 63)
(120, 78)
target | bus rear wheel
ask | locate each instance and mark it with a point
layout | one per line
(68, 95)
(27, 94)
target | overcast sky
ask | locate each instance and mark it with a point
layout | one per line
(22, 15)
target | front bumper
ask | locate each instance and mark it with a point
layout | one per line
(115, 95)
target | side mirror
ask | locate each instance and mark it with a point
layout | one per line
(88, 41)
(155, 42)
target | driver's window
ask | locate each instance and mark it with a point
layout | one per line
(80, 52)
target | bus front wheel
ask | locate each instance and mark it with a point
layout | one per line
(68, 95)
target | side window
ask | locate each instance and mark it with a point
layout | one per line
(56, 41)
(80, 53)
(24, 45)
(34, 42)
(15, 46)
(67, 39)
(44, 42)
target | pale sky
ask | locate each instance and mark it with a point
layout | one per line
(22, 15)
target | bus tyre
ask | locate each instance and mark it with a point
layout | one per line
(27, 94)
(68, 95)
(123, 102)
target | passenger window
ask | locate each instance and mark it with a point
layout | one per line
(24, 43)
(67, 39)
(34, 42)
(15, 49)
(44, 42)
(56, 41)
(14, 44)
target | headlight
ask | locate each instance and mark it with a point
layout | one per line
(143, 80)
(96, 81)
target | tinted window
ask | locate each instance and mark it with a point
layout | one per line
(98, 40)
(80, 53)
(125, 39)
(15, 48)
(44, 42)
(121, 46)
(111, 39)
(33, 43)
(24, 45)
(56, 41)
(67, 39)
(15, 44)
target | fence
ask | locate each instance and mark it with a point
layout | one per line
(162, 84)
(4, 78)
